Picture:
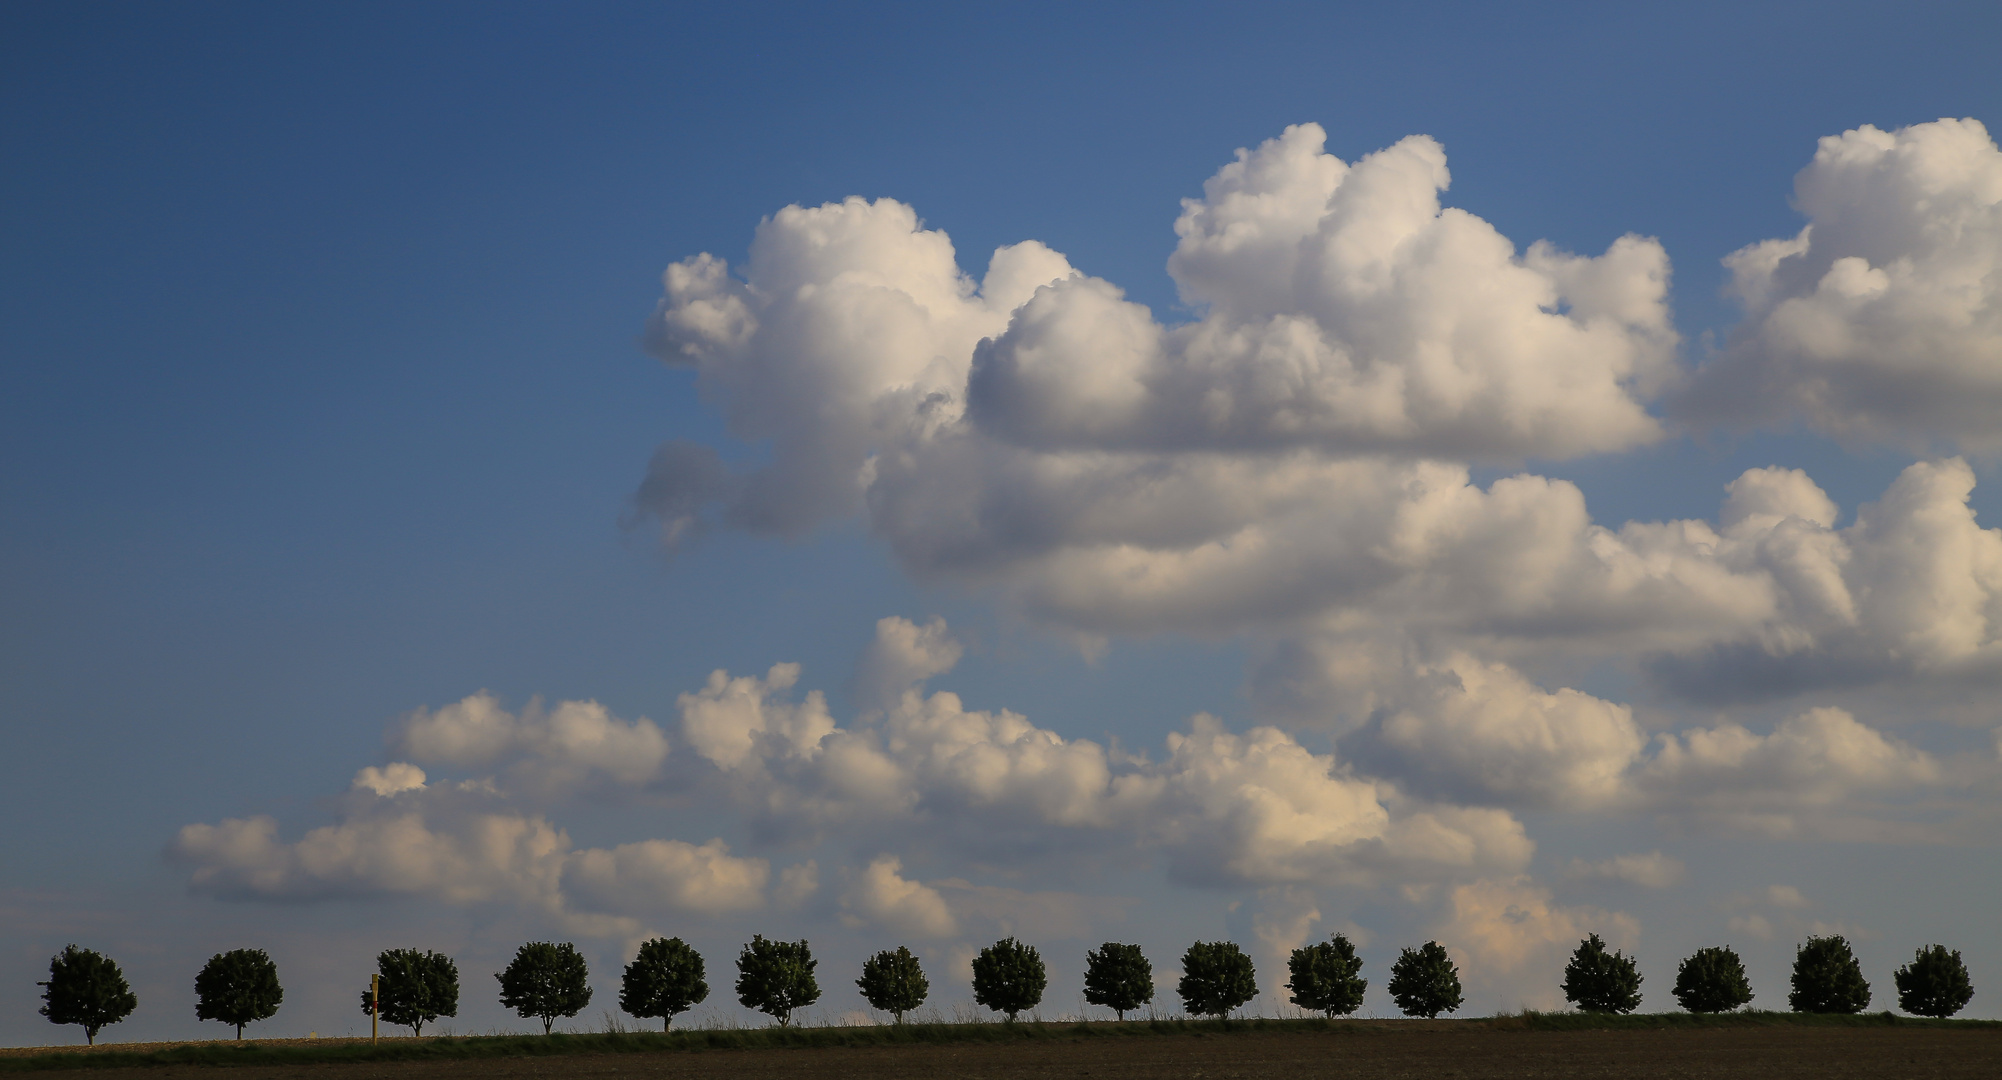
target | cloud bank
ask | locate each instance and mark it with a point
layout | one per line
(1293, 464)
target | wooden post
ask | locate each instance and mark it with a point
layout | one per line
(374, 1008)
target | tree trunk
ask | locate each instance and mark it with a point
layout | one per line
(547, 1021)
(239, 1033)
(666, 1021)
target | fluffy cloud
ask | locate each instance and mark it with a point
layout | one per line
(1289, 462)
(390, 779)
(453, 846)
(541, 748)
(901, 655)
(882, 896)
(732, 721)
(1344, 310)
(1482, 731)
(471, 858)
(1225, 807)
(1818, 758)
(1882, 319)
(664, 876)
(853, 324)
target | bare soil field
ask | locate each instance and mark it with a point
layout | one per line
(1389, 1052)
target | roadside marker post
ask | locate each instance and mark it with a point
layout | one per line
(374, 1008)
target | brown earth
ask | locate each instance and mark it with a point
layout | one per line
(1697, 1054)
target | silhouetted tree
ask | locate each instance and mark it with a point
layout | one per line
(238, 987)
(417, 987)
(1712, 981)
(1827, 978)
(1009, 977)
(1935, 983)
(894, 982)
(1327, 977)
(546, 980)
(666, 979)
(776, 977)
(1216, 978)
(87, 988)
(1600, 981)
(1425, 981)
(1118, 977)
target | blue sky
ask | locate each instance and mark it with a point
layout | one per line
(324, 399)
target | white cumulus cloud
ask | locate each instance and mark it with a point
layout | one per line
(1882, 318)
(542, 748)
(1345, 310)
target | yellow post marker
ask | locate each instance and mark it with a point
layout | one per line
(374, 1007)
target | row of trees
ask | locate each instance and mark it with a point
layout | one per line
(548, 981)
(1826, 979)
(85, 987)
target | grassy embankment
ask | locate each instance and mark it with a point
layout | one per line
(296, 1052)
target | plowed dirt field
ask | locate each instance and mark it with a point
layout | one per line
(1700, 1054)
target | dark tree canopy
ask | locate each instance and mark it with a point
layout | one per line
(1712, 981)
(1327, 977)
(1600, 981)
(87, 988)
(417, 987)
(1118, 977)
(894, 982)
(1216, 977)
(666, 979)
(1009, 977)
(1425, 982)
(1934, 984)
(546, 980)
(776, 977)
(238, 987)
(1827, 978)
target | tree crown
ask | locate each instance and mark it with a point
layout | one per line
(776, 977)
(894, 981)
(1425, 981)
(1597, 980)
(1935, 983)
(546, 980)
(1118, 977)
(238, 987)
(1009, 977)
(666, 979)
(1326, 977)
(86, 988)
(1712, 980)
(1827, 978)
(1216, 977)
(417, 987)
